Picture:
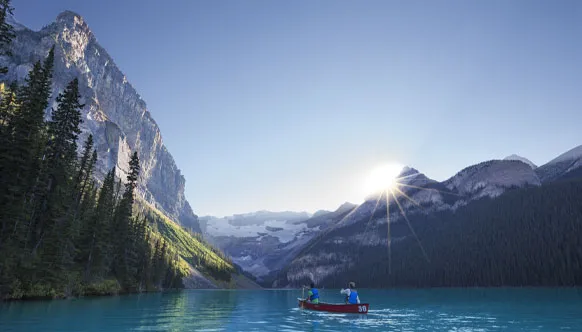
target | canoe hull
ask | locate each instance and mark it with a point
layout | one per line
(361, 308)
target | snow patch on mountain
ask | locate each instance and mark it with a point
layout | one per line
(262, 242)
(280, 229)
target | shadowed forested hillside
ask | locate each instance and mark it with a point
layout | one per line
(526, 237)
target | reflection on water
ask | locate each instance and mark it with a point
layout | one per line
(205, 310)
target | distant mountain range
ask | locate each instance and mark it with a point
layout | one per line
(264, 241)
(336, 252)
(287, 249)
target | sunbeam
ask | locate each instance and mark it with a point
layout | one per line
(384, 181)
(429, 189)
(382, 178)
(371, 217)
(411, 229)
(389, 239)
(406, 176)
(408, 197)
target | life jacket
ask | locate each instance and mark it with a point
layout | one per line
(353, 299)
(315, 294)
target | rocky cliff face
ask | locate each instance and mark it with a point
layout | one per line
(114, 112)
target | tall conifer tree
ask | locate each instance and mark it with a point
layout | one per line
(6, 31)
(56, 220)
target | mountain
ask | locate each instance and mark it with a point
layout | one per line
(206, 266)
(320, 213)
(339, 249)
(114, 112)
(119, 122)
(525, 237)
(491, 178)
(565, 165)
(522, 159)
(263, 242)
(250, 238)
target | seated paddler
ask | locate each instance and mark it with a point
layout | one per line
(312, 294)
(351, 293)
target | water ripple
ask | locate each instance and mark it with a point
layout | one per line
(435, 310)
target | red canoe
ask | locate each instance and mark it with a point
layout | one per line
(361, 308)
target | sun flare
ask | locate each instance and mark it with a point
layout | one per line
(383, 178)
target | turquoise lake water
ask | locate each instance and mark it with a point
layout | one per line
(276, 310)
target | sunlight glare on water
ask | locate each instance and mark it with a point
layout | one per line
(276, 310)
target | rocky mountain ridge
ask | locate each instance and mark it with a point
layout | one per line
(568, 162)
(114, 113)
(365, 225)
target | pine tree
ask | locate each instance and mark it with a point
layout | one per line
(22, 144)
(6, 31)
(125, 264)
(98, 252)
(85, 167)
(8, 107)
(83, 182)
(143, 253)
(27, 128)
(158, 264)
(57, 220)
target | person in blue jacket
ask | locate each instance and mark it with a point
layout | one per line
(313, 294)
(351, 293)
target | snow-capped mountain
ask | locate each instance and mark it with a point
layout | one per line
(114, 112)
(522, 159)
(262, 242)
(281, 225)
(565, 164)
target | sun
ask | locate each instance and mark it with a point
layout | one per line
(382, 178)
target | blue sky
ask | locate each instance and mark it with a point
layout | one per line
(288, 105)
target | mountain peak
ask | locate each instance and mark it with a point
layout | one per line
(114, 112)
(572, 154)
(522, 159)
(68, 14)
(319, 213)
(73, 21)
(345, 207)
(408, 171)
(561, 165)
